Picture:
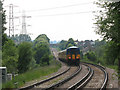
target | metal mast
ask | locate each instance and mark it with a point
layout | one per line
(11, 20)
(24, 30)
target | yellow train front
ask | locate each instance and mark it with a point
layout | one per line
(71, 55)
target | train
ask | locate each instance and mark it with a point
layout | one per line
(71, 55)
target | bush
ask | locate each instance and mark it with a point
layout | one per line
(25, 56)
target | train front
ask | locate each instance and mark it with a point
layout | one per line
(73, 55)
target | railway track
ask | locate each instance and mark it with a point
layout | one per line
(43, 81)
(90, 78)
(66, 79)
(100, 77)
(55, 80)
(69, 75)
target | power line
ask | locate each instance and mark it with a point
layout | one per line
(57, 7)
(64, 14)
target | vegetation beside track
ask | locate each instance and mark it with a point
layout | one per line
(115, 67)
(33, 74)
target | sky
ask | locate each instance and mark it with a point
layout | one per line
(58, 19)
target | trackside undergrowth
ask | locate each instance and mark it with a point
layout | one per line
(34, 74)
(115, 67)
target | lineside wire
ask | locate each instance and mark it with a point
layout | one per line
(64, 14)
(44, 9)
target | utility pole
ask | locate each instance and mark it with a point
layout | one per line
(11, 19)
(24, 30)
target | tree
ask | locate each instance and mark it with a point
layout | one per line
(25, 56)
(3, 36)
(109, 27)
(62, 44)
(70, 43)
(91, 56)
(10, 56)
(45, 58)
(111, 53)
(41, 49)
(21, 38)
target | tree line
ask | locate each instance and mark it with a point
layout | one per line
(25, 55)
(65, 44)
(98, 51)
(108, 26)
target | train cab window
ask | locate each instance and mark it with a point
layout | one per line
(73, 51)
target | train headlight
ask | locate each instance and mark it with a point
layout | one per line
(69, 57)
(78, 56)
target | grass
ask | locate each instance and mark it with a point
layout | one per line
(115, 67)
(88, 61)
(34, 74)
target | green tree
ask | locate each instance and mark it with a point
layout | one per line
(25, 56)
(10, 56)
(91, 56)
(110, 53)
(70, 43)
(21, 38)
(109, 27)
(45, 59)
(100, 51)
(41, 49)
(62, 44)
(108, 23)
(3, 36)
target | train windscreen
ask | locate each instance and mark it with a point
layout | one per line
(73, 51)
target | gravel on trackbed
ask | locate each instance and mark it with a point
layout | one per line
(97, 78)
(75, 79)
(112, 78)
(57, 79)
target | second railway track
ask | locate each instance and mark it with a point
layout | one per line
(55, 80)
(62, 79)
(96, 80)
(91, 76)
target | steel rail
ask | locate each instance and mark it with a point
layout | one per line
(103, 87)
(65, 80)
(43, 81)
(83, 81)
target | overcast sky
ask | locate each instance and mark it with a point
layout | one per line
(58, 19)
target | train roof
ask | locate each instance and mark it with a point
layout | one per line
(62, 51)
(72, 47)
